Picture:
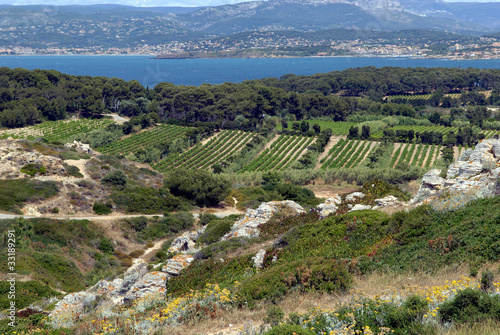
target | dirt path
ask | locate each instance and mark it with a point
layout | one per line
(396, 147)
(372, 146)
(268, 144)
(149, 252)
(436, 156)
(328, 191)
(205, 141)
(333, 140)
(80, 164)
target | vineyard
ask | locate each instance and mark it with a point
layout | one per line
(203, 156)
(347, 154)
(411, 154)
(132, 144)
(353, 153)
(417, 129)
(282, 153)
(56, 131)
(487, 94)
(490, 133)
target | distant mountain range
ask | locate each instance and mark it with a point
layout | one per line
(114, 25)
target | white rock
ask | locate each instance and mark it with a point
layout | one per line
(258, 259)
(386, 202)
(353, 196)
(150, 283)
(177, 263)
(248, 225)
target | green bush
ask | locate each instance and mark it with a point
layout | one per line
(168, 225)
(289, 330)
(147, 200)
(31, 291)
(205, 218)
(310, 274)
(220, 249)
(106, 246)
(73, 171)
(202, 272)
(136, 253)
(470, 306)
(274, 315)
(33, 169)
(215, 230)
(199, 186)
(487, 280)
(101, 208)
(116, 178)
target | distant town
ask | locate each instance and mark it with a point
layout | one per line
(275, 44)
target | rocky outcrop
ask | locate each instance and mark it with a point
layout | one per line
(474, 175)
(386, 202)
(137, 283)
(186, 242)
(354, 196)
(14, 157)
(360, 207)
(330, 206)
(176, 264)
(248, 226)
(82, 147)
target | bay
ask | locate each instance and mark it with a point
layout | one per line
(150, 72)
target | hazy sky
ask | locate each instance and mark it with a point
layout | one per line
(147, 3)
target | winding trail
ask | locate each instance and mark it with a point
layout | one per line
(100, 217)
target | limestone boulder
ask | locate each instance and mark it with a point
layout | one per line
(248, 225)
(177, 263)
(386, 202)
(149, 284)
(132, 275)
(186, 242)
(330, 206)
(354, 196)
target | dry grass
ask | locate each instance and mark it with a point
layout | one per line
(371, 285)
(489, 327)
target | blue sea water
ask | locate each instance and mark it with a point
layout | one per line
(150, 72)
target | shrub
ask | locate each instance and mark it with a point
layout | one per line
(139, 223)
(470, 306)
(116, 178)
(206, 218)
(101, 208)
(149, 245)
(487, 280)
(54, 210)
(310, 274)
(126, 262)
(73, 171)
(121, 255)
(274, 315)
(136, 253)
(215, 230)
(106, 246)
(220, 249)
(147, 200)
(199, 186)
(32, 169)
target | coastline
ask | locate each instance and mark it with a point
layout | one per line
(215, 56)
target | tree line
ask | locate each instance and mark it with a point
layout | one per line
(28, 97)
